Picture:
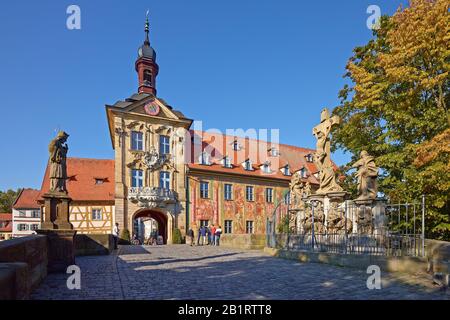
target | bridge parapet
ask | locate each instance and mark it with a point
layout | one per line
(23, 266)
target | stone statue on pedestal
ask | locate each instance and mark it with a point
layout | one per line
(55, 220)
(57, 163)
(322, 157)
(296, 187)
(367, 177)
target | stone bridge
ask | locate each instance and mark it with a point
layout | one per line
(205, 272)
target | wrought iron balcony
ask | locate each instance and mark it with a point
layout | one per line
(152, 197)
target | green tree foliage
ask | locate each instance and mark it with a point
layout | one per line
(125, 237)
(176, 237)
(396, 108)
(7, 199)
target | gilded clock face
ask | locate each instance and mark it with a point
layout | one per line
(152, 109)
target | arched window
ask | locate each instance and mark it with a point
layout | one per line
(148, 76)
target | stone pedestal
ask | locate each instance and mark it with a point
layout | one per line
(371, 216)
(61, 249)
(59, 231)
(56, 211)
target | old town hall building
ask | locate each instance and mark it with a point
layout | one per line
(165, 172)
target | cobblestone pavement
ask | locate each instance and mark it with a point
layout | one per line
(184, 272)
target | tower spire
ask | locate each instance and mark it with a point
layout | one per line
(147, 29)
(146, 66)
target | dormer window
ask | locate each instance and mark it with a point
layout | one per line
(236, 145)
(266, 168)
(205, 158)
(309, 157)
(286, 170)
(303, 172)
(99, 181)
(274, 152)
(248, 165)
(227, 162)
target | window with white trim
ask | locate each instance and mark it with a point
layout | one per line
(204, 189)
(137, 178)
(228, 226)
(97, 214)
(137, 141)
(164, 180)
(269, 195)
(248, 165)
(236, 146)
(249, 193)
(286, 170)
(164, 145)
(205, 158)
(228, 191)
(274, 152)
(227, 162)
(303, 172)
(266, 168)
(22, 227)
(249, 226)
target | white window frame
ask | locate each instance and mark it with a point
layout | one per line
(164, 144)
(227, 162)
(250, 193)
(228, 194)
(137, 178)
(204, 189)
(248, 165)
(269, 195)
(249, 225)
(137, 141)
(164, 179)
(205, 158)
(97, 214)
(228, 226)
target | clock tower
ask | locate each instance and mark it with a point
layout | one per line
(146, 66)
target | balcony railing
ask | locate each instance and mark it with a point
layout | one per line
(152, 196)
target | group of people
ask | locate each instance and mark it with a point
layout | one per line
(206, 235)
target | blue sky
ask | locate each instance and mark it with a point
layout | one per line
(232, 64)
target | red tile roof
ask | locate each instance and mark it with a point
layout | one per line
(27, 199)
(81, 182)
(219, 145)
(6, 217)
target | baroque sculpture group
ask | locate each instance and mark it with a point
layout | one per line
(323, 211)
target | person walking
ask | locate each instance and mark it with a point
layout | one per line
(213, 235)
(191, 236)
(217, 237)
(116, 235)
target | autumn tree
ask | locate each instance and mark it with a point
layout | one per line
(397, 107)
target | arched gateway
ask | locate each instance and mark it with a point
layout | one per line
(161, 224)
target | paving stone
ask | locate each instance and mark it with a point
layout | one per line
(184, 272)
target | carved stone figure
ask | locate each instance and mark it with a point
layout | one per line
(296, 187)
(336, 220)
(322, 157)
(57, 160)
(367, 177)
(365, 220)
(151, 158)
(319, 220)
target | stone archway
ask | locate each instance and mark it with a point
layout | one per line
(164, 223)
